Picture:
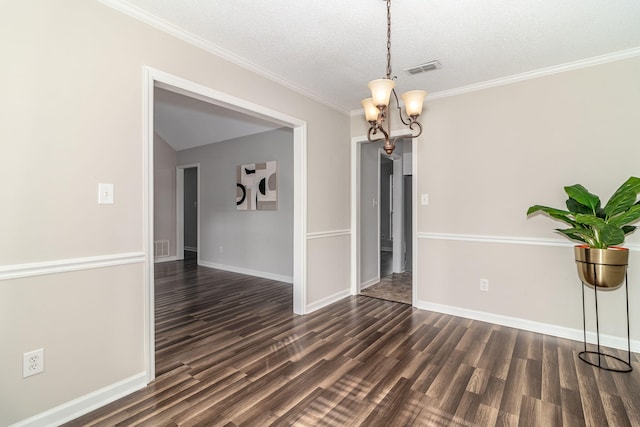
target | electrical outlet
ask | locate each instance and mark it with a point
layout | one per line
(484, 285)
(32, 362)
(221, 249)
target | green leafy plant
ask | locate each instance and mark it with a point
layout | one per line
(592, 224)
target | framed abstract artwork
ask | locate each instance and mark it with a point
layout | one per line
(257, 186)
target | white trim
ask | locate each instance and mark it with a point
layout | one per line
(369, 282)
(569, 66)
(83, 405)
(299, 217)
(15, 271)
(148, 84)
(328, 300)
(531, 241)
(165, 259)
(355, 209)
(377, 208)
(355, 215)
(175, 31)
(530, 325)
(331, 233)
(414, 221)
(247, 271)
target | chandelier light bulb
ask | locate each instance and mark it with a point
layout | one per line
(381, 91)
(413, 101)
(371, 112)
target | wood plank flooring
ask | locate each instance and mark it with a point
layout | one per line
(231, 353)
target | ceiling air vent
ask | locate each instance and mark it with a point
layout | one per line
(428, 66)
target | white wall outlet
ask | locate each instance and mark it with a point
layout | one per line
(32, 362)
(105, 194)
(484, 285)
(424, 199)
(221, 249)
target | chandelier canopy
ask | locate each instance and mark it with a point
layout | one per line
(376, 108)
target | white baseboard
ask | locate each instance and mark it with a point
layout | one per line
(248, 272)
(165, 259)
(529, 325)
(365, 285)
(85, 404)
(327, 301)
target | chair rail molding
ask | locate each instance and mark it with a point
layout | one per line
(8, 272)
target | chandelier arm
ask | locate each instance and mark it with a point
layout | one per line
(406, 123)
(411, 126)
(373, 130)
(414, 122)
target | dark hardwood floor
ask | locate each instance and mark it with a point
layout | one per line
(230, 352)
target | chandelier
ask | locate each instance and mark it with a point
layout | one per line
(376, 108)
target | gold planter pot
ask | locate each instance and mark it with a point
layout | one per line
(605, 268)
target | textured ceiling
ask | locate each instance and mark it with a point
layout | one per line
(332, 48)
(329, 50)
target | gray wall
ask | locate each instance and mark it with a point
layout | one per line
(191, 208)
(254, 242)
(369, 255)
(164, 192)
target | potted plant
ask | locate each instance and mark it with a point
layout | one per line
(600, 229)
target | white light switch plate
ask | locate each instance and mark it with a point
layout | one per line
(424, 199)
(105, 194)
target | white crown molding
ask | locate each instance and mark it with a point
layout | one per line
(531, 241)
(180, 33)
(8, 272)
(569, 66)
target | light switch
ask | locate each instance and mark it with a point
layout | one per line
(105, 194)
(424, 199)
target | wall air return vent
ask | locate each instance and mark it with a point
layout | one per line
(161, 248)
(428, 66)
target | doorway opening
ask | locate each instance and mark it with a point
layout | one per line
(384, 221)
(188, 212)
(158, 79)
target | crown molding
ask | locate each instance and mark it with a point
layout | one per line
(180, 33)
(569, 66)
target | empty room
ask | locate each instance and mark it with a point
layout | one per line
(404, 213)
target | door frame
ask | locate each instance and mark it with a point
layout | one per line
(180, 209)
(153, 78)
(356, 152)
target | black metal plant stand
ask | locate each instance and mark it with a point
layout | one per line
(603, 356)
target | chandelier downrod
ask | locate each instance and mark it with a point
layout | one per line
(377, 107)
